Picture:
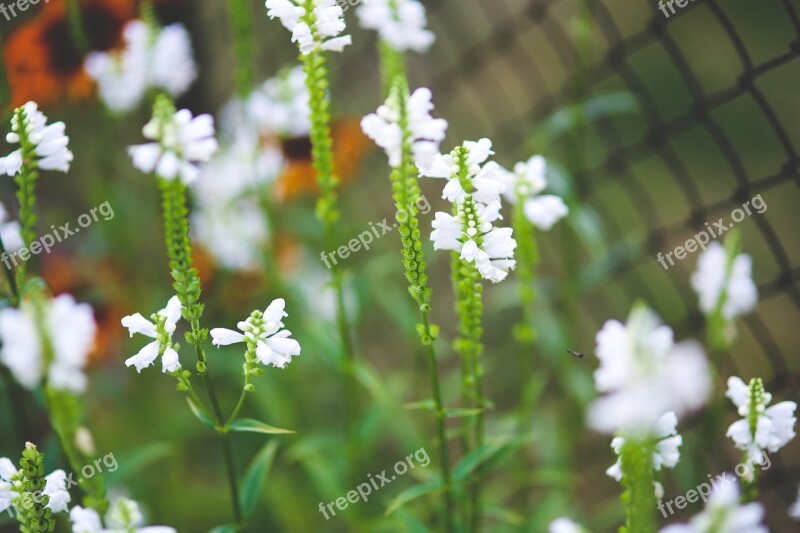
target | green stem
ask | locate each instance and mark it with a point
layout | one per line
(241, 29)
(76, 28)
(314, 66)
(639, 497)
(188, 288)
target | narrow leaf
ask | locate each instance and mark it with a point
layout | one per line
(427, 405)
(256, 476)
(256, 426)
(200, 414)
(411, 494)
(458, 413)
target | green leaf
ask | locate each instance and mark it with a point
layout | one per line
(504, 515)
(200, 414)
(485, 453)
(427, 405)
(255, 426)
(256, 476)
(223, 529)
(411, 494)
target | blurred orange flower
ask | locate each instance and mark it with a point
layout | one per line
(43, 61)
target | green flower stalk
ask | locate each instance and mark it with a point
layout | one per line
(34, 515)
(241, 30)
(407, 198)
(638, 479)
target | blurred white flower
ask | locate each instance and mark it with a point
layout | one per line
(150, 58)
(666, 453)
(794, 510)
(762, 428)
(724, 514)
(525, 183)
(426, 132)
(272, 343)
(11, 488)
(399, 23)
(279, 107)
(124, 516)
(644, 374)
(69, 328)
(160, 327)
(327, 19)
(565, 525)
(712, 280)
(235, 233)
(10, 231)
(181, 142)
(49, 142)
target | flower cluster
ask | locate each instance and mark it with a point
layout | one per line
(475, 192)
(315, 24)
(149, 58)
(724, 280)
(48, 340)
(279, 106)
(644, 374)
(124, 515)
(181, 141)
(667, 444)
(762, 428)
(47, 142)
(525, 184)
(160, 327)
(426, 132)
(724, 514)
(400, 23)
(12, 492)
(264, 335)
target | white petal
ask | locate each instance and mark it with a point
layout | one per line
(136, 323)
(225, 337)
(145, 357)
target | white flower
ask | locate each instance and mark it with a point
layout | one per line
(565, 525)
(272, 344)
(279, 107)
(485, 179)
(471, 234)
(149, 59)
(426, 132)
(328, 21)
(172, 64)
(121, 75)
(7, 484)
(49, 141)
(724, 514)
(181, 141)
(400, 23)
(525, 183)
(644, 374)
(774, 426)
(124, 516)
(10, 231)
(56, 489)
(70, 330)
(666, 452)
(235, 233)
(712, 279)
(160, 327)
(794, 510)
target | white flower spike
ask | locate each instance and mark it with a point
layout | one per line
(70, 330)
(181, 141)
(525, 184)
(400, 23)
(324, 16)
(762, 428)
(644, 374)
(49, 142)
(724, 514)
(264, 335)
(160, 327)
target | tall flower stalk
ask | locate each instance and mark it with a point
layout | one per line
(392, 128)
(315, 26)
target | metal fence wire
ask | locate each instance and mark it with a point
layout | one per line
(717, 123)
